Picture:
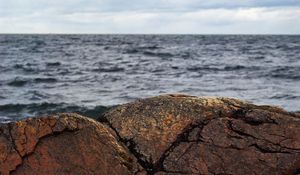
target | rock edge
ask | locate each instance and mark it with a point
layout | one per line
(169, 134)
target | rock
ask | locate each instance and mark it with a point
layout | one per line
(171, 134)
(62, 144)
(178, 134)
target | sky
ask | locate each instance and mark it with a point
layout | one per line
(150, 16)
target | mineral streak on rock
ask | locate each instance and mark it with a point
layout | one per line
(62, 144)
(170, 134)
(178, 134)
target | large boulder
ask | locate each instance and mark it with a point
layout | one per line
(178, 134)
(62, 144)
(171, 134)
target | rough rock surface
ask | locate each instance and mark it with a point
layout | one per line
(171, 134)
(178, 134)
(63, 144)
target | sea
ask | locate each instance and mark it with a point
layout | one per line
(88, 74)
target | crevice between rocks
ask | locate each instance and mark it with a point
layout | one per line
(238, 113)
(281, 149)
(152, 168)
(131, 146)
(13, 140)
(53, 133)
(182, 137)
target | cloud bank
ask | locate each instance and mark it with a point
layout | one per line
(151, 17)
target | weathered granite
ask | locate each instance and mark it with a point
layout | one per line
(170, 134)
(178, 134)
(62, 144)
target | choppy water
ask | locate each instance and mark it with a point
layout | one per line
(42, 74)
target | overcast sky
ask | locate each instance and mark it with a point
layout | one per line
(151, 16)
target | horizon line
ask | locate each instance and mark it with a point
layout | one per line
(147, 34)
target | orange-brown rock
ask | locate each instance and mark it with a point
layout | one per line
(62, 144)
(171, 134)
(178, 134)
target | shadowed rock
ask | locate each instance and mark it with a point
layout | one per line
(177, 134)
(63, 144)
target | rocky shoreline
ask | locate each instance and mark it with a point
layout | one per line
(170, 134)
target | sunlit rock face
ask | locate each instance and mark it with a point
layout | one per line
(170, 134)
(208, 135)
(62, 144)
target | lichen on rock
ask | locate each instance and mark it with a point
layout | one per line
(169, 134)
(208, 135)
(62, 144)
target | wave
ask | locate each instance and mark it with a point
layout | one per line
(200, 68)
(45, 80)
(148, 51)
(132, 51)
(143, 50)
(150, 47)
(226, 68)
(158, 54)
(285, 97)
(53, 64)
(111, 69)
(19, 111)
(34, 46)
(25, 68)
(37, 95)
(257, 57)
(231, 68)
(286, 72)
(154, 64)
(17, 82)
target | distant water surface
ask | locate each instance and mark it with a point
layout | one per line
(42, 74)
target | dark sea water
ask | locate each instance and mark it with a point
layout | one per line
(42, 74)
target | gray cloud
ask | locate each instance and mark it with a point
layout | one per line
(155, 16)
(69, 6)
